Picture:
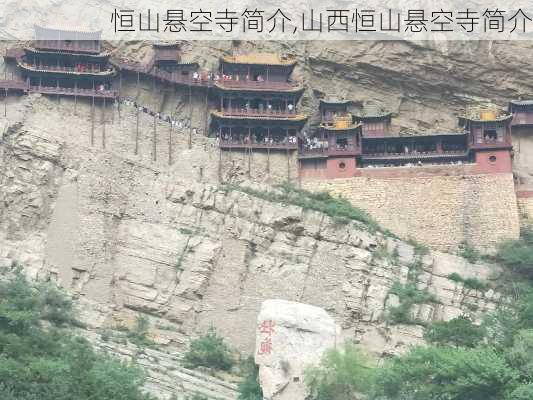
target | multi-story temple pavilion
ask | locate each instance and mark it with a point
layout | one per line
(522, 112)
(489, 136)
(376, 121)
(65, 61)
(337, 144)
(257, 106)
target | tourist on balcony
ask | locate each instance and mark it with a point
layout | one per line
(290, 107)
(260, 78)
(195, 76)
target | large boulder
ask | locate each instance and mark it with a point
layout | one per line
(290, 336)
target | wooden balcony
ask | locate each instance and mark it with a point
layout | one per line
(91, 70)
(239, 113)
(460, 154)
(238, 145)
(74, 92)
(270, 86)
(85, 46)
(321, 152)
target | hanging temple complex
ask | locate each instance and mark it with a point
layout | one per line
(406, 181)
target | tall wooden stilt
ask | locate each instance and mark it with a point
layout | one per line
(5, 103)
(103, 124)
(154, 140)
(76, 97)
(170, 144)
(219, 155)
(268, 151)
(288, 157)
(92, 122)
(190, 116)
(249, 151)
(206, 112)
(136, 150)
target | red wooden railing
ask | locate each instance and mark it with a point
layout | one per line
(257, 113)
(432, 154)
(264, 85)
(252, 145)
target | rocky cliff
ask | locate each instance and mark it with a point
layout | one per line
(127, 234)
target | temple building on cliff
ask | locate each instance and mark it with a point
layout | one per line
(253, 103)
(64, 61)
(257, 105)
(333, 151)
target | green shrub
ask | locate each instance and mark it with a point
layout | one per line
(458, 332)
(341, 210)
(469, 253)
(139, 334)
(44, 361)
(408, 296)
(340, 375)
(518, 254)
(208, 351)
(476, 284)
(445, 373)
(454, 276)
(249, 388)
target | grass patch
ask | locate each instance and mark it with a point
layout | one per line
(469, 283)
(340, 209)
(185, 231)
(408, 295)
(139, 334)
(469, 253)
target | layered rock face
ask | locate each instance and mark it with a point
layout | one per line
(128, 235)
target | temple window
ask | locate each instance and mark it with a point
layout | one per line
(490, 135)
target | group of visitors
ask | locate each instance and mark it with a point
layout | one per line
(180, 123)
(259, 139)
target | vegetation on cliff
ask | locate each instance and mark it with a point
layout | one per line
(208, 351)
(488, 361)
(41, 360)
(341, 210)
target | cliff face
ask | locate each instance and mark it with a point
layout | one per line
(133, 236)
(128, 233)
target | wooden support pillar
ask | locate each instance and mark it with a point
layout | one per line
(190, 116)
(268, 150)
(219, 154)
(249, 151)
(136, 149)
(92, 121)
(170, 144)
(154, 139)
(288, 156)
(75, 97)
(103, 123)
(5, 102)
(206, 122)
